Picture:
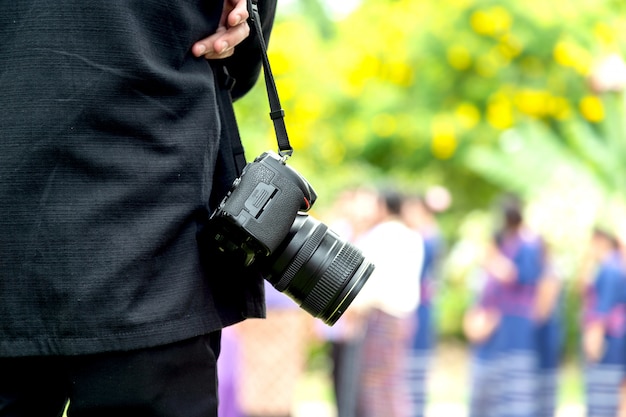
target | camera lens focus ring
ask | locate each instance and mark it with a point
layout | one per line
(310, 245)
(340, 269)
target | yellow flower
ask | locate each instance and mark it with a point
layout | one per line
(533, 102)
(502, 18)
(310, 107)
(569, 54)
(604, 33)
(565, 53)
(444, 142)
(287, 87)
(280, 63)
(509, 47)
(493, 21)
(459, 57)
(467, 114)
(592, 109)
(481, 23)
(399, 73)
(368, 67)
(298, 132)
(500, 112)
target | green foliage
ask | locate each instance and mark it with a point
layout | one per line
(409, 88)
(570, 310)
(481, 96)
(452, 301)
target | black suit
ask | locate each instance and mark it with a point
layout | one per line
(113, 146)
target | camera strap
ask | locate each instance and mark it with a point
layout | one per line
(277, 114)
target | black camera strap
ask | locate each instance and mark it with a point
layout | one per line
(277, 114)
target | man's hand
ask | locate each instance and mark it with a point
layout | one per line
(232, 30)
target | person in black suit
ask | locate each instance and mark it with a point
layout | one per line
(117, 140)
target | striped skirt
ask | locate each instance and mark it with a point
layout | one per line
(383, 390)
(420, 358)
(505, 381)
(603, 380)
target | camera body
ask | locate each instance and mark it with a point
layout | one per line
(262, 204)
(260, 223)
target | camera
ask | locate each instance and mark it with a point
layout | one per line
(262, 223)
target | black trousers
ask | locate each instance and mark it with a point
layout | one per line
(176, 380)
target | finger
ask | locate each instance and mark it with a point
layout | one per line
(221, 55)
(231, 32)
(221, 44)
(206, 46)
(232, 37)
(239, 14)
(206, 49)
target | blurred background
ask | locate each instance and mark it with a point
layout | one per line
(473, 98)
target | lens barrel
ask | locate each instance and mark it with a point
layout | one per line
(317, 269)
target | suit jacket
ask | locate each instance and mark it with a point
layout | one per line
(116, 143)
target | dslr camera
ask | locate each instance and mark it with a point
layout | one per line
(262, 223)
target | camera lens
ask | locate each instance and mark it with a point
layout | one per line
(317, 269)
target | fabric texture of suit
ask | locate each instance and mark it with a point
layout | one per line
(115, 148)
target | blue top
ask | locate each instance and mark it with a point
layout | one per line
(605, 298)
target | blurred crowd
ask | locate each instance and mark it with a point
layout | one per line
(516, 325)
(382, 348)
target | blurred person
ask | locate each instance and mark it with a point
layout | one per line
(388, 303)
(419, 216)
(550, 328)
(272, 357)
(503, 324)
(118, 140)
(344, 337)
(604, 326)
(620, 233)
(548, 317)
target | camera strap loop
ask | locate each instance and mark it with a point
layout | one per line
(277, 114)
